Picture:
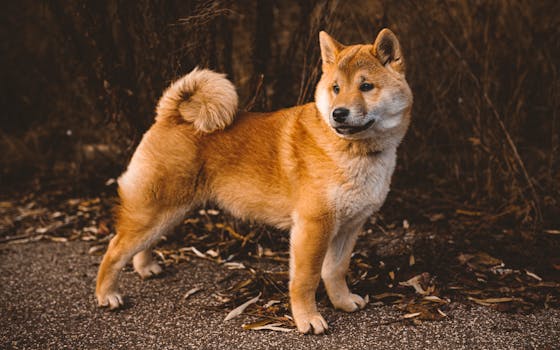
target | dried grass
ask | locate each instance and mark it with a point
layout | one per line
(485, 135)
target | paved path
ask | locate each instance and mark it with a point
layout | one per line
(46, 302)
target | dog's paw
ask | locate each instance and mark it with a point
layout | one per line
(349, 303)
(111, 300)
(312, 322)
(149, 270)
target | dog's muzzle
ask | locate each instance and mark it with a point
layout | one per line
(352, 129)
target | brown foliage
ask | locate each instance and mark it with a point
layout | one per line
(81, 81)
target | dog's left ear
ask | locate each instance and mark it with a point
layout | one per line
(329, 48)
(388, 50)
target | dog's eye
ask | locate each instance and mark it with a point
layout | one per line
(336, 89)
(366, 87)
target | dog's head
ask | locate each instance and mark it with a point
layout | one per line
(363, 92)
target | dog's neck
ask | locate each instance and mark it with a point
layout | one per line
(361, 148)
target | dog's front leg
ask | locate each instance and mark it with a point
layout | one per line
(308, 245)
(335, 268)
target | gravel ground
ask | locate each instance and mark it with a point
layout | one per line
(46, 302)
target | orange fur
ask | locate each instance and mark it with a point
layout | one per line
(295, 169)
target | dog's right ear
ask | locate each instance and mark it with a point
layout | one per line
(329, 48)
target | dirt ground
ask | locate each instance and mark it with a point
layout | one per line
(46, 301)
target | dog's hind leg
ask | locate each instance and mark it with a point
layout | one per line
(135, 235)
(145, 265)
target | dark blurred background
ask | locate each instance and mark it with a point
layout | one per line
(80, 81)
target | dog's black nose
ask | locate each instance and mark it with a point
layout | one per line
(340, 114)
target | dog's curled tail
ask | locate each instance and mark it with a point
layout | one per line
(204, 98)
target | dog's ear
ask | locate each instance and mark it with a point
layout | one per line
(388, 50)
(329, 47)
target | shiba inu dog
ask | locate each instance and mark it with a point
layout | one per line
(319, 170)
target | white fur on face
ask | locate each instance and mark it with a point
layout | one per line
(391, 122)
(389, 109)
(322, 100)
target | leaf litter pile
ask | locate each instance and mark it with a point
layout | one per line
(422, 269)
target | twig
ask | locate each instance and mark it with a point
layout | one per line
(258, 90)
(496, 115)
(272, 318)
(17, 237)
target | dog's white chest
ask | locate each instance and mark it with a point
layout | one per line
(366, 187)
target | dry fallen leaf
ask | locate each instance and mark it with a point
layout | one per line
(435, 299)
(212, 253)
(259, 323)
(270, 303)
(234, 265)
(443, 314)
(96, 249)
(414, 282)
(388, 295)
(57, 239)
(426, 312)
(273, 327)
(191, 292)
(405, 224)
(489, 301)
(436, 217)
(266, 325)
(239, 310)
(533, 275)
(197, 252)
(468, 212)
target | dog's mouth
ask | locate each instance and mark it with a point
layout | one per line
(349, 130)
